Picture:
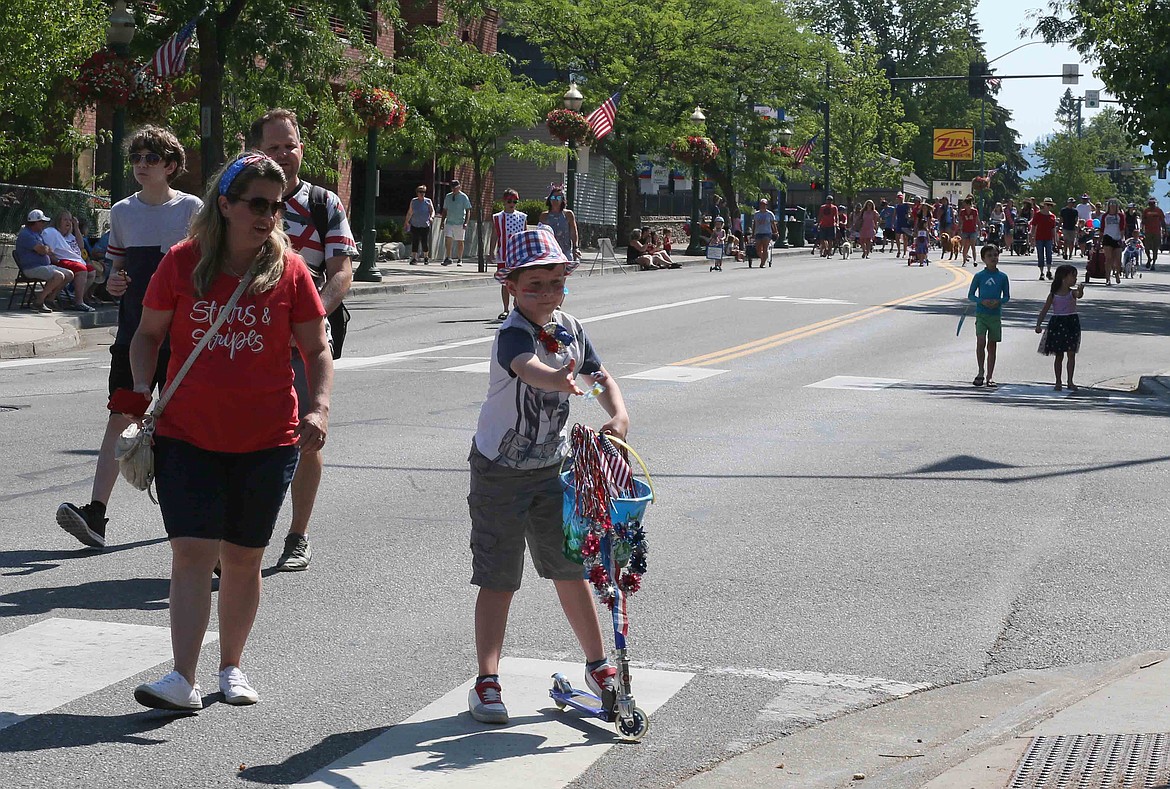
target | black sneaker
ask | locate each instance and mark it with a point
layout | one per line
(297, 554)
(446, 261)
(87, 523)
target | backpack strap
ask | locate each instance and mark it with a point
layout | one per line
(319, 212)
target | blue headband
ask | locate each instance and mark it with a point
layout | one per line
(236, 167)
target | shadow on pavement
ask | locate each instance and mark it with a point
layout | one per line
(52, 730)
(1148, 318)
(138, 594)
(443, 744)
(1042, 396)
(34, 561)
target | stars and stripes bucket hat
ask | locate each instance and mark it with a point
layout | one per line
(536, 247)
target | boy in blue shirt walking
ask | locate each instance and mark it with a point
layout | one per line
(990, 291)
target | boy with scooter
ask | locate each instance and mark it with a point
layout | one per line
(515, 459)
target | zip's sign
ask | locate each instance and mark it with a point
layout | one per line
(954, 145)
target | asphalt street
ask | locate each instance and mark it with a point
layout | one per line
(842, 519)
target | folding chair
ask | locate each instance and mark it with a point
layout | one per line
(30, 287)
(605, 254)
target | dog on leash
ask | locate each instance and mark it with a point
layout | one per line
(846, 250)
(951, 244)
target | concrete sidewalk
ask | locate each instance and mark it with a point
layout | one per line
(24, 334)
(987, 734)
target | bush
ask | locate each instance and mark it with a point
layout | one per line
(534, 208)
(388, 230)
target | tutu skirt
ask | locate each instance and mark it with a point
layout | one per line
(1063, 335)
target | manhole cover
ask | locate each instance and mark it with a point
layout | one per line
(1095, 761)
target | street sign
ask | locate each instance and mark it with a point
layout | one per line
(954, 191)
(954, 144)
(1092, 99)
(1070, 73)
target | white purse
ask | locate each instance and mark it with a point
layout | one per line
(135, 448)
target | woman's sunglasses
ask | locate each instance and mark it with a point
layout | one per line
(151, 159)
(260, 206)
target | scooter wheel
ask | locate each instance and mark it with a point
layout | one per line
(560, 704)
(635, 728)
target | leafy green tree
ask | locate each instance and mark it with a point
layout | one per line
(43, 44)
(659, 55)
(257, 54)
(466, 105)
(1124, 160)
(1068, 162)
(1067, 112)
(866, 125)
(1130, 39)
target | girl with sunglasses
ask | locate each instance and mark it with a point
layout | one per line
(228, 443)
(562, 221)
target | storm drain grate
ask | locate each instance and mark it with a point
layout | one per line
(1095, 761)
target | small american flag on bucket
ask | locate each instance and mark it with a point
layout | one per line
(617, 468)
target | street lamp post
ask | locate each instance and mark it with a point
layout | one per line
(118, 37)
(783, 137)
(696, 247)
(366, 270)
(572, 101)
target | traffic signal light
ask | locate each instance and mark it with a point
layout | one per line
(977, 79)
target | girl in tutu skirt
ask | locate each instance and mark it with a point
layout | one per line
(1063, 335)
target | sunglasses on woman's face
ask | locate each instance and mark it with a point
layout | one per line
(151, 159)
(260, 206)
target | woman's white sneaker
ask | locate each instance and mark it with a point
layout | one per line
(236, 689)
(485, 702)
(172, 692)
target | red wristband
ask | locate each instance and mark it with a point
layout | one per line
(129, 402)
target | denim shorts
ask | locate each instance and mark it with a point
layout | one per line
(508, 508)
(229, 496)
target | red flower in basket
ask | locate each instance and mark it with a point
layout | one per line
(980, 183)
(104, 78)
(567, 125)
(694, 149)
(379, 108)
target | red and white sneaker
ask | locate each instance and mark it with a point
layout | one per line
(485, 703)
(603, 680)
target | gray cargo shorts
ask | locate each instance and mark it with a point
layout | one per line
(508, 508)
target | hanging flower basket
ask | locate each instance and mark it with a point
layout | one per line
(980, 183)
(567, 125)
(787, 156)
(104, 78)
(379, 108)
(151, 97)
(694, 149)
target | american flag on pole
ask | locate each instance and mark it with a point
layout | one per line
(803, 151)
(994, 82)
(992, 171)
(601, 119)
(616, 468)
(172, 55)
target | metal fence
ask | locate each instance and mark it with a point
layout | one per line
(17, 200)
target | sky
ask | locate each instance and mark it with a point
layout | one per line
(1033, 101)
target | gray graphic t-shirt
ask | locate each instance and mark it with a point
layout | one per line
(521, 427)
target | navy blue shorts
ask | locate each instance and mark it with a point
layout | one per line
(122, 377)
(230, 496)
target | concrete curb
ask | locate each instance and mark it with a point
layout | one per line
(929, 739)
(67, 338)
(363, 290)
(1157, 385)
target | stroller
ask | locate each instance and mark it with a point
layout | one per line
(1097, 265)
(1020, 243)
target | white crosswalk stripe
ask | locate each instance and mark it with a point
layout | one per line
(54, 661)
(442, 747)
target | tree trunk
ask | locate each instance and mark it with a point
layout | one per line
(210, 96)
(477, 183)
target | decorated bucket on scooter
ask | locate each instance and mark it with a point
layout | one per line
(622, 510)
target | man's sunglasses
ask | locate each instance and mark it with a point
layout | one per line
(260, 206)
(151, 159)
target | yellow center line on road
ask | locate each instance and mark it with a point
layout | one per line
(959, 276)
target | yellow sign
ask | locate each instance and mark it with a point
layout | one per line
(954, 144)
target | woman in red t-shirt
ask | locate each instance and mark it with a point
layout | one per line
(1042, 232)
(228, 442)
